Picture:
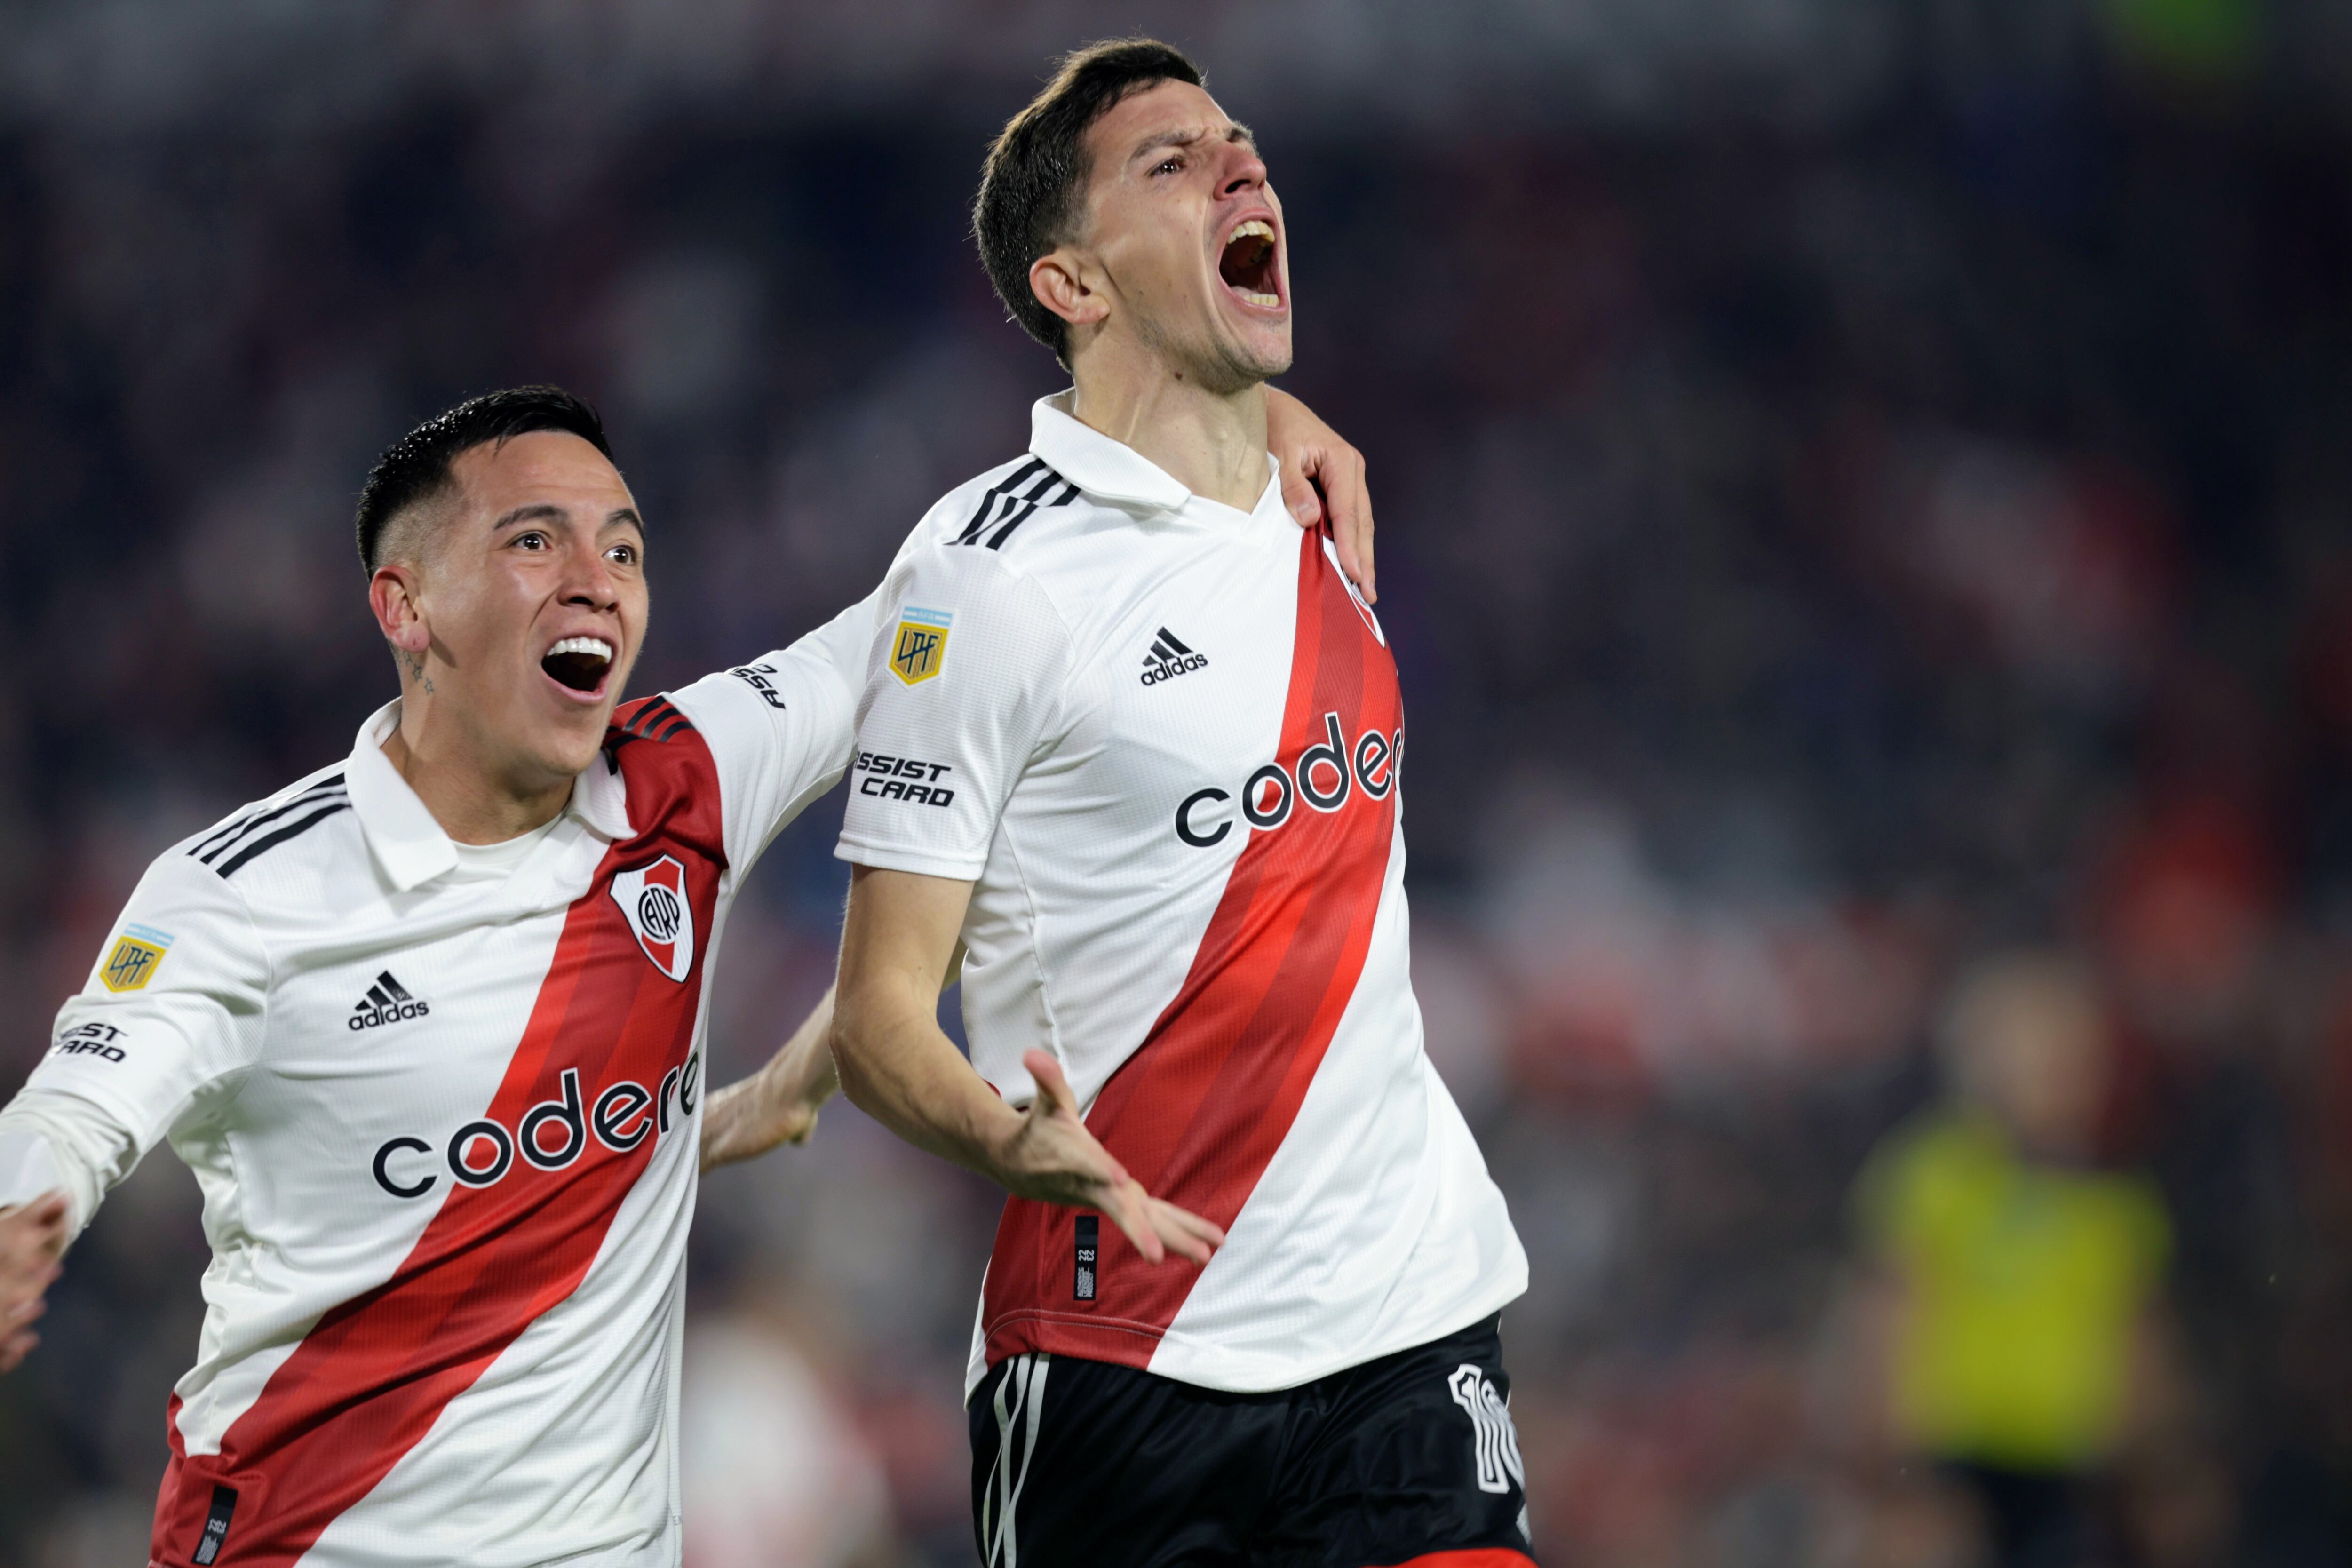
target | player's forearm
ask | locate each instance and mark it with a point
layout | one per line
(898, 1067)
(779, 1104)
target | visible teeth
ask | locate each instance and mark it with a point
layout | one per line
(1264, 301)
(598, 646)
(1255, 227)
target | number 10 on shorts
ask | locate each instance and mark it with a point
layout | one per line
(1497, 1442)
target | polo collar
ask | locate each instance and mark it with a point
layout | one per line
(1102, 466)
(405, 839)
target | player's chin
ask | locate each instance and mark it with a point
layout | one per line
(1255, 349)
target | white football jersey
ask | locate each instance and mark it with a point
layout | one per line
(1163, 739)
(446, 1123)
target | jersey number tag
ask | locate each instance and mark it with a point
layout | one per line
(654, 899)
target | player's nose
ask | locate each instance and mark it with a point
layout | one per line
(1245, 173)
(590, 582)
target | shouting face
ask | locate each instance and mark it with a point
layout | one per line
(522, 605)
(1181, 241)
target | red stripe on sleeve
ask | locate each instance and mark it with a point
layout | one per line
(1197, 1112)
(373, 1375)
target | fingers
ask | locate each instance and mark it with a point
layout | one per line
(41, 1222)
(1158, 1227)
(30, 1280)
(1299, 494)
(1154, 1227)
(1131, 1210)
(1349, 503)
(1052, 1088)
(1184, 1233)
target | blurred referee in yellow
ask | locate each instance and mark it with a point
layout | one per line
(2020, 1278)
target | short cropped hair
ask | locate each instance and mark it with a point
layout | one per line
(1033, 184)
(415, 469)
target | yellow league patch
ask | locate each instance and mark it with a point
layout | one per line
(919, 651)
(134, 960)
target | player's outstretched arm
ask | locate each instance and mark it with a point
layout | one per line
(1322, 474)
(32, 1235)
(898, 1068)
(778, 1104)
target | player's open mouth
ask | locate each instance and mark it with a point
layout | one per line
(1251, 265)
(579, 664)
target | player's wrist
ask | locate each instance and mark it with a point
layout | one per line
(1005, 1142)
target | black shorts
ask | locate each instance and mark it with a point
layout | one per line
(1409, 1459)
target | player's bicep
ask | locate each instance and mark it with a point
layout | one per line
(967, 681)
(902, 931)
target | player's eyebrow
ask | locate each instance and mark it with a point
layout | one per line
(627, 514)
(1236, 131)
(533, 512)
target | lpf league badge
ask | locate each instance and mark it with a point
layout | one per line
(654, 899)
(133, 959)
(920, 649)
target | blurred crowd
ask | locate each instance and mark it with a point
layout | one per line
(1873, 582)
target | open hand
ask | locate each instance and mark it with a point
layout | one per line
(1053, 1159)
(32, 1238)
(779, 1104)
(1323, 480)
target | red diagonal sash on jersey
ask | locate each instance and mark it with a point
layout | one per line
(369, 1381)
(1198, 1110)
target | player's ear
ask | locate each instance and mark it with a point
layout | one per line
(392, 595)
(1059, 279)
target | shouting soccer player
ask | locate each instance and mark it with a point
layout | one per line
(1134, 743)
(428, 1025)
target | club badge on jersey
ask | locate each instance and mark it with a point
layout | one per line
(654, 899)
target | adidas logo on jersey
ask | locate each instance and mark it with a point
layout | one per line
(386, 1001)
(1169, 658)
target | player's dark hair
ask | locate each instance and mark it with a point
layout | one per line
(1031, 186)
(415, 468)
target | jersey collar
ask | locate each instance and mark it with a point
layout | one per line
(405, 839)
(1111, 470)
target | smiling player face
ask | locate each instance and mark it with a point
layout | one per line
(534, 595)
(1184, 239)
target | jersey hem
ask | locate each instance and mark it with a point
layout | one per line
(881, 857)
(1125, 1342)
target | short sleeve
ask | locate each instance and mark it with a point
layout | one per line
(780, 728)
(965, 685)
(173, 1010)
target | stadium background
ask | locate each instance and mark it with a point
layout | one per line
(1864, 484)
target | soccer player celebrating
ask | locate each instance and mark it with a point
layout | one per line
(429, 1028)
(1133, 741)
